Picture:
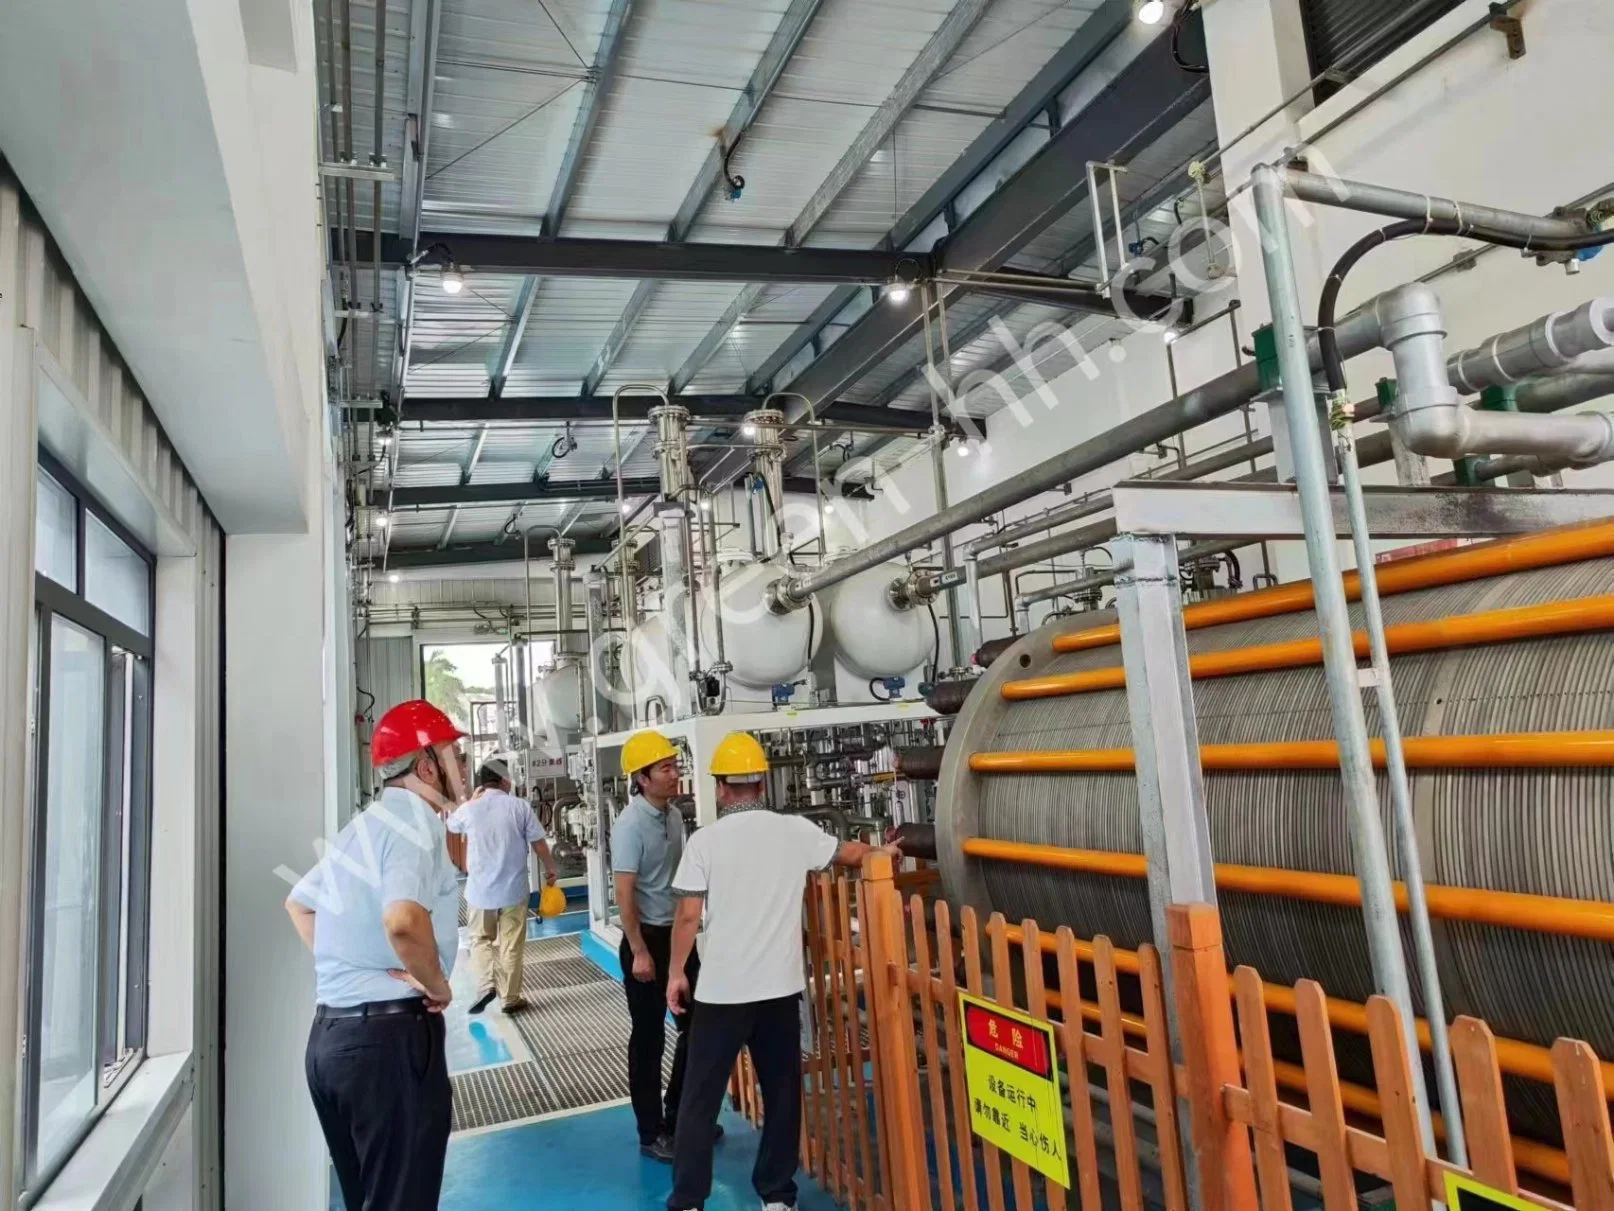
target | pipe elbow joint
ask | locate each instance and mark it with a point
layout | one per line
(1435, 430)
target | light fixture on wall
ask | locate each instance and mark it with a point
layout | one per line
(1151, 12)
(453, 280)
(899, 292)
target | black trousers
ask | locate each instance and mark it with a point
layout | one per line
(772, 1030)
(647, 1006)
(380, 1087)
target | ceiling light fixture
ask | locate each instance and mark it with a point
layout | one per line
(382, 520)
(393, 578)
(749, 430)
(453, 280)
(1152, 12)
(829, 506)
(626, 508)
(706, 505)
(1171, 336)
(964, 449)
(898, 292)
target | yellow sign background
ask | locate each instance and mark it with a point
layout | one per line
(1012, 1105)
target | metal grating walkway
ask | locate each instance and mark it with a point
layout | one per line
(576, 1032)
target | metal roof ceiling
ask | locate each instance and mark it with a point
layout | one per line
(607, 112)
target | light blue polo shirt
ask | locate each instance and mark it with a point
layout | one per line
(395, 849)
(648, 844)
(500, 831)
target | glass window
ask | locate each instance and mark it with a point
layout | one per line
(115, 578)
(69, 901)
(90, 828)
(56, 533)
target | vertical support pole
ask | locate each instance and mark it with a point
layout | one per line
(896, 1063)
(1218, 1156)
(1165, 740)
(975, 637)
(19, 422)
(1372, 860)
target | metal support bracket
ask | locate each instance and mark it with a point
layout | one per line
(1165, 733)
(1511, 28)
(1257, 511)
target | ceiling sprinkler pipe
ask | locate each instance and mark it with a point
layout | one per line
(1357, 334)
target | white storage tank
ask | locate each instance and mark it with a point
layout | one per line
(559, 699)
(766, 649)
(872, 637)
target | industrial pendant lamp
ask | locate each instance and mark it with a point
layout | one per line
(1151, 12)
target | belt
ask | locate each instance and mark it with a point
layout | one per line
(373, 1009)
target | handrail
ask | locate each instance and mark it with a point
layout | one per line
(1569, 544)
(1458, 630)
(1502, 750)
(1559, 915)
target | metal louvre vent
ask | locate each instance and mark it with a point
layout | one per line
(1355, 34)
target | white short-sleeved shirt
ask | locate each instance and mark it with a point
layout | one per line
(500, 830)
(393, 850)
(751, 866)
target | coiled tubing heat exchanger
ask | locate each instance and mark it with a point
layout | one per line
(1033, 775)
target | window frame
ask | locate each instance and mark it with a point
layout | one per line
(126, 786)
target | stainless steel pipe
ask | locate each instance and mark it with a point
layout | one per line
(1372, 859)
(1357, 334)
(1402, 204)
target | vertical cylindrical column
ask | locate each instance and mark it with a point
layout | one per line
(972, 579)
(677, 587)
(564, 564)
(1372, 860)
(501, 690)
(604, 715)
(766, 429)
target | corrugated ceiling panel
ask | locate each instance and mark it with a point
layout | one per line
(458, 336)
(682, 65)
(571, 320)
(854, 53)
(679, 315)
(507, 92)
(923, 147)
(1005, 50)
(749, 343)
(426, 475)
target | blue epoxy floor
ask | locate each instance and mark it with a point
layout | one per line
(592, 1160)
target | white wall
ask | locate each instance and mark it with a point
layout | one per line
(1472, 125)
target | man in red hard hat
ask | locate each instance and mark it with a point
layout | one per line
(381, 914)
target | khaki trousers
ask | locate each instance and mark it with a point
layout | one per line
(498, 944)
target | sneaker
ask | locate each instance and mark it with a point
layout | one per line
(777, 1207)
(516, 1005)
(483, 1000)
(659, 1149)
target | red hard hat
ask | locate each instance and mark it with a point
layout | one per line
(408, 728)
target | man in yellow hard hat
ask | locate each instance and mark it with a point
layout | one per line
(747, 871)
(647, 843)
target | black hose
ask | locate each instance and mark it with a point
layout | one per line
(1328, 302)
(935, 630)
(1177, 23)
(878, 697)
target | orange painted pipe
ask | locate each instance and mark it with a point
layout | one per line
(1569, 544)
(1515, 910)
(1459, 630)
(1503, 750)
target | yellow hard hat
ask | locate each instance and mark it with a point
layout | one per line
(738, 754)
(645, 749)
(551, 902)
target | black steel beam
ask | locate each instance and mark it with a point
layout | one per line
(498, 494)
(546, 490)
(403, 558)
(648, 259)
(1146, 92)
(476, 410)
(1048, 292)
